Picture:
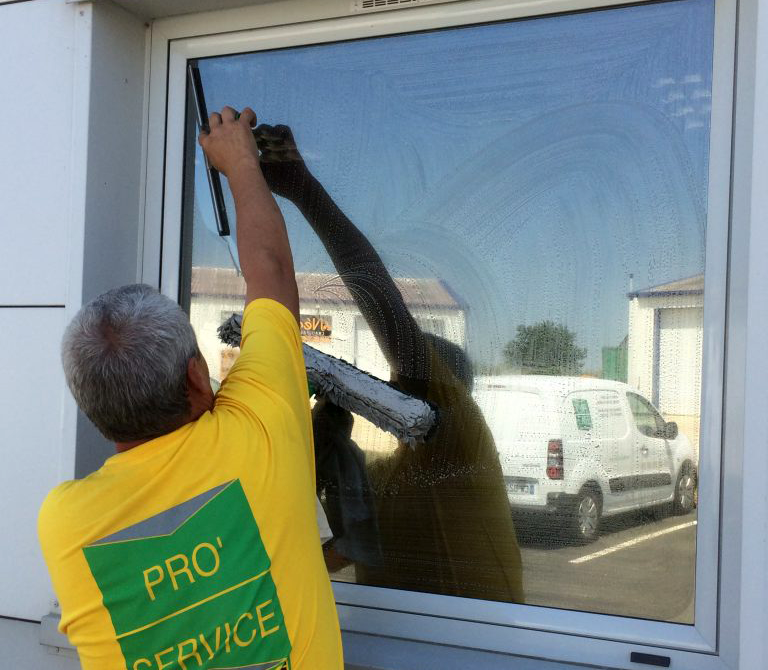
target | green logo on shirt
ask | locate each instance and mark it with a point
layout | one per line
(191, 588)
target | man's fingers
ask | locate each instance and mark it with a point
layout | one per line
(229, 142)
(248, 116)
(228, 114)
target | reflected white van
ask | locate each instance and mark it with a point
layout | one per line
(579, 449)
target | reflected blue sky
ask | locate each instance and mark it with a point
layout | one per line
(532, 165)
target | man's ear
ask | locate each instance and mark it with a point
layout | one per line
(199, 391)
(197, 381)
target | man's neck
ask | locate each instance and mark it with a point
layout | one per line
(193, 416)
(125, 446)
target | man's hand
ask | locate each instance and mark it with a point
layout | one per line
(229, 144)
(283, 167)
(262, 241)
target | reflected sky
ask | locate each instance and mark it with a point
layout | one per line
(532, 165)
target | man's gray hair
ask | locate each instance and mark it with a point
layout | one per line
(125, 357)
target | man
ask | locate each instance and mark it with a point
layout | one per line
(196, 545)
(443, 522)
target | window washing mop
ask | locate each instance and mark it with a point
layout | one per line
(406, 417)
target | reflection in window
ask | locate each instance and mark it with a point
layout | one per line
(647, 419)
(472, 211)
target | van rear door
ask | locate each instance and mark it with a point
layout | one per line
(521, 428)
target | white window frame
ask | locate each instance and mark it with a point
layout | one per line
(536, 632)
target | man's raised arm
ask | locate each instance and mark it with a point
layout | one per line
(262, 241)
(356, 261)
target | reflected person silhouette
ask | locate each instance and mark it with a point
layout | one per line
(343, 482)
(444, 523)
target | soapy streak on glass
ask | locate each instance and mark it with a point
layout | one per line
(521, 172)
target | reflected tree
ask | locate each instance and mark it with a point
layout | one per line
(545, 348)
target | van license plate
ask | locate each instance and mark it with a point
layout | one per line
(515, 487)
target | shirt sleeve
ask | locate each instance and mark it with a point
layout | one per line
(269, 373)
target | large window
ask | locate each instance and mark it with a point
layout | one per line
(513, 220)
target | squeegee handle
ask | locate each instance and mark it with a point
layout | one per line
(219, 207)
(214, 178)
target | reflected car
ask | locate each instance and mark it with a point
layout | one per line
(577, 450)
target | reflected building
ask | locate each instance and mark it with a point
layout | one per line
(664, 349)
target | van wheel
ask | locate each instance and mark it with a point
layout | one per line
(586, 516)
(685, 490)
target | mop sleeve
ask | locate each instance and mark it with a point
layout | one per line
(408, 418)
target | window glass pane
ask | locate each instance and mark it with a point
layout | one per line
(507, 220)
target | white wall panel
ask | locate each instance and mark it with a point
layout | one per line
(21, 649)
(32, 416)
(37, 47)
(115, 125)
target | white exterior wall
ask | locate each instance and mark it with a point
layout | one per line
(748, 328)
(43, 199)
(21, 649)
(70, 224)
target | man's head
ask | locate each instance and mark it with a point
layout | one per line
(131, 360)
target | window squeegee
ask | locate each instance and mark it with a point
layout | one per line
(214, 178)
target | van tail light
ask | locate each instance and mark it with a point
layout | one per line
(555, 459)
